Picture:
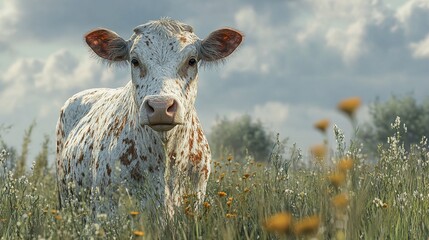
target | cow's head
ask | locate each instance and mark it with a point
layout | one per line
(164, 56)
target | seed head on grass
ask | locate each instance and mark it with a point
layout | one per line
(279, 223)
(307, 226)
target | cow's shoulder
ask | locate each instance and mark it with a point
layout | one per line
(77, 106)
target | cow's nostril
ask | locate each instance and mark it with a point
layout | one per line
(172, 108)
(149, 109)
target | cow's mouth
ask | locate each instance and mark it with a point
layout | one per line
(162, 127)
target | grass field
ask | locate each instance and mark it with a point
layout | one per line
(335, 194)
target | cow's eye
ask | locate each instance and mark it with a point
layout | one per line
(192, 62)
(135, 62)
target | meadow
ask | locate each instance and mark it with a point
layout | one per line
(337, 192)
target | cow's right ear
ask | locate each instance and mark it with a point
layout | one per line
(108, 45)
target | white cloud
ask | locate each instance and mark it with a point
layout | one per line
(30, 81)
(421, 49)
(273, 114)
(262, 42)
(349, 41)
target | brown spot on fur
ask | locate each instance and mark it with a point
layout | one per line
(97, 165)
(131, 152)
(151, 169)
(80, 158)
(191, 141)
(196, 158)
(183, 39)
(149, 149)
(205, 171)
(172, 158)
(91, 146)
(200, 135)
(109, 170)
(135, 173)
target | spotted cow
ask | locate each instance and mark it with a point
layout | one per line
(144, 136)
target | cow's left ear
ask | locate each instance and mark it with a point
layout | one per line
(107, 44)
(220, 44)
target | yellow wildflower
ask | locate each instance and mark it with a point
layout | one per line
(319, 151)
(134, 213)
(138, 233)
(222, 194)
(345, 164)
(229, 158)
(280, 222)
(231, 215)
(349, 105)
(337, 179)
(340, 201)
(306, 226)
(58, 217)
(384, 205)
(246, 190)
(206, 205)
(246, 175)
(322, 125)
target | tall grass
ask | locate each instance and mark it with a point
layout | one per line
(383, 199)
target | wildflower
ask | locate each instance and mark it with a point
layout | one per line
(58, 217)
(138, 233)
(384, 205)
(134, 213)
(322, 125)
(349, 105)
(229, 158)
(246, 175)
(221, 194)
(337, 179)
(206, 205)
(319, 151)
(231, 215)
(229, 202)
(345, 164)
(246, 190)
(340, 201)
(53, 211)
(280, 222)
(308, 225)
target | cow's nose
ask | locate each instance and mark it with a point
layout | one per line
(161, 112)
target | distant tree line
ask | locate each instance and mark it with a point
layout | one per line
(414, 115)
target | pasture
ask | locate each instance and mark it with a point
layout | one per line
(341, 194)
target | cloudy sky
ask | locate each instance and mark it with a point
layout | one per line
(299, 58)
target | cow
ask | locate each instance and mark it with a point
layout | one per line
(145, 136)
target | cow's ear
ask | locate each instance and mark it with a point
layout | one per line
(220, 44)
(107, 44)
